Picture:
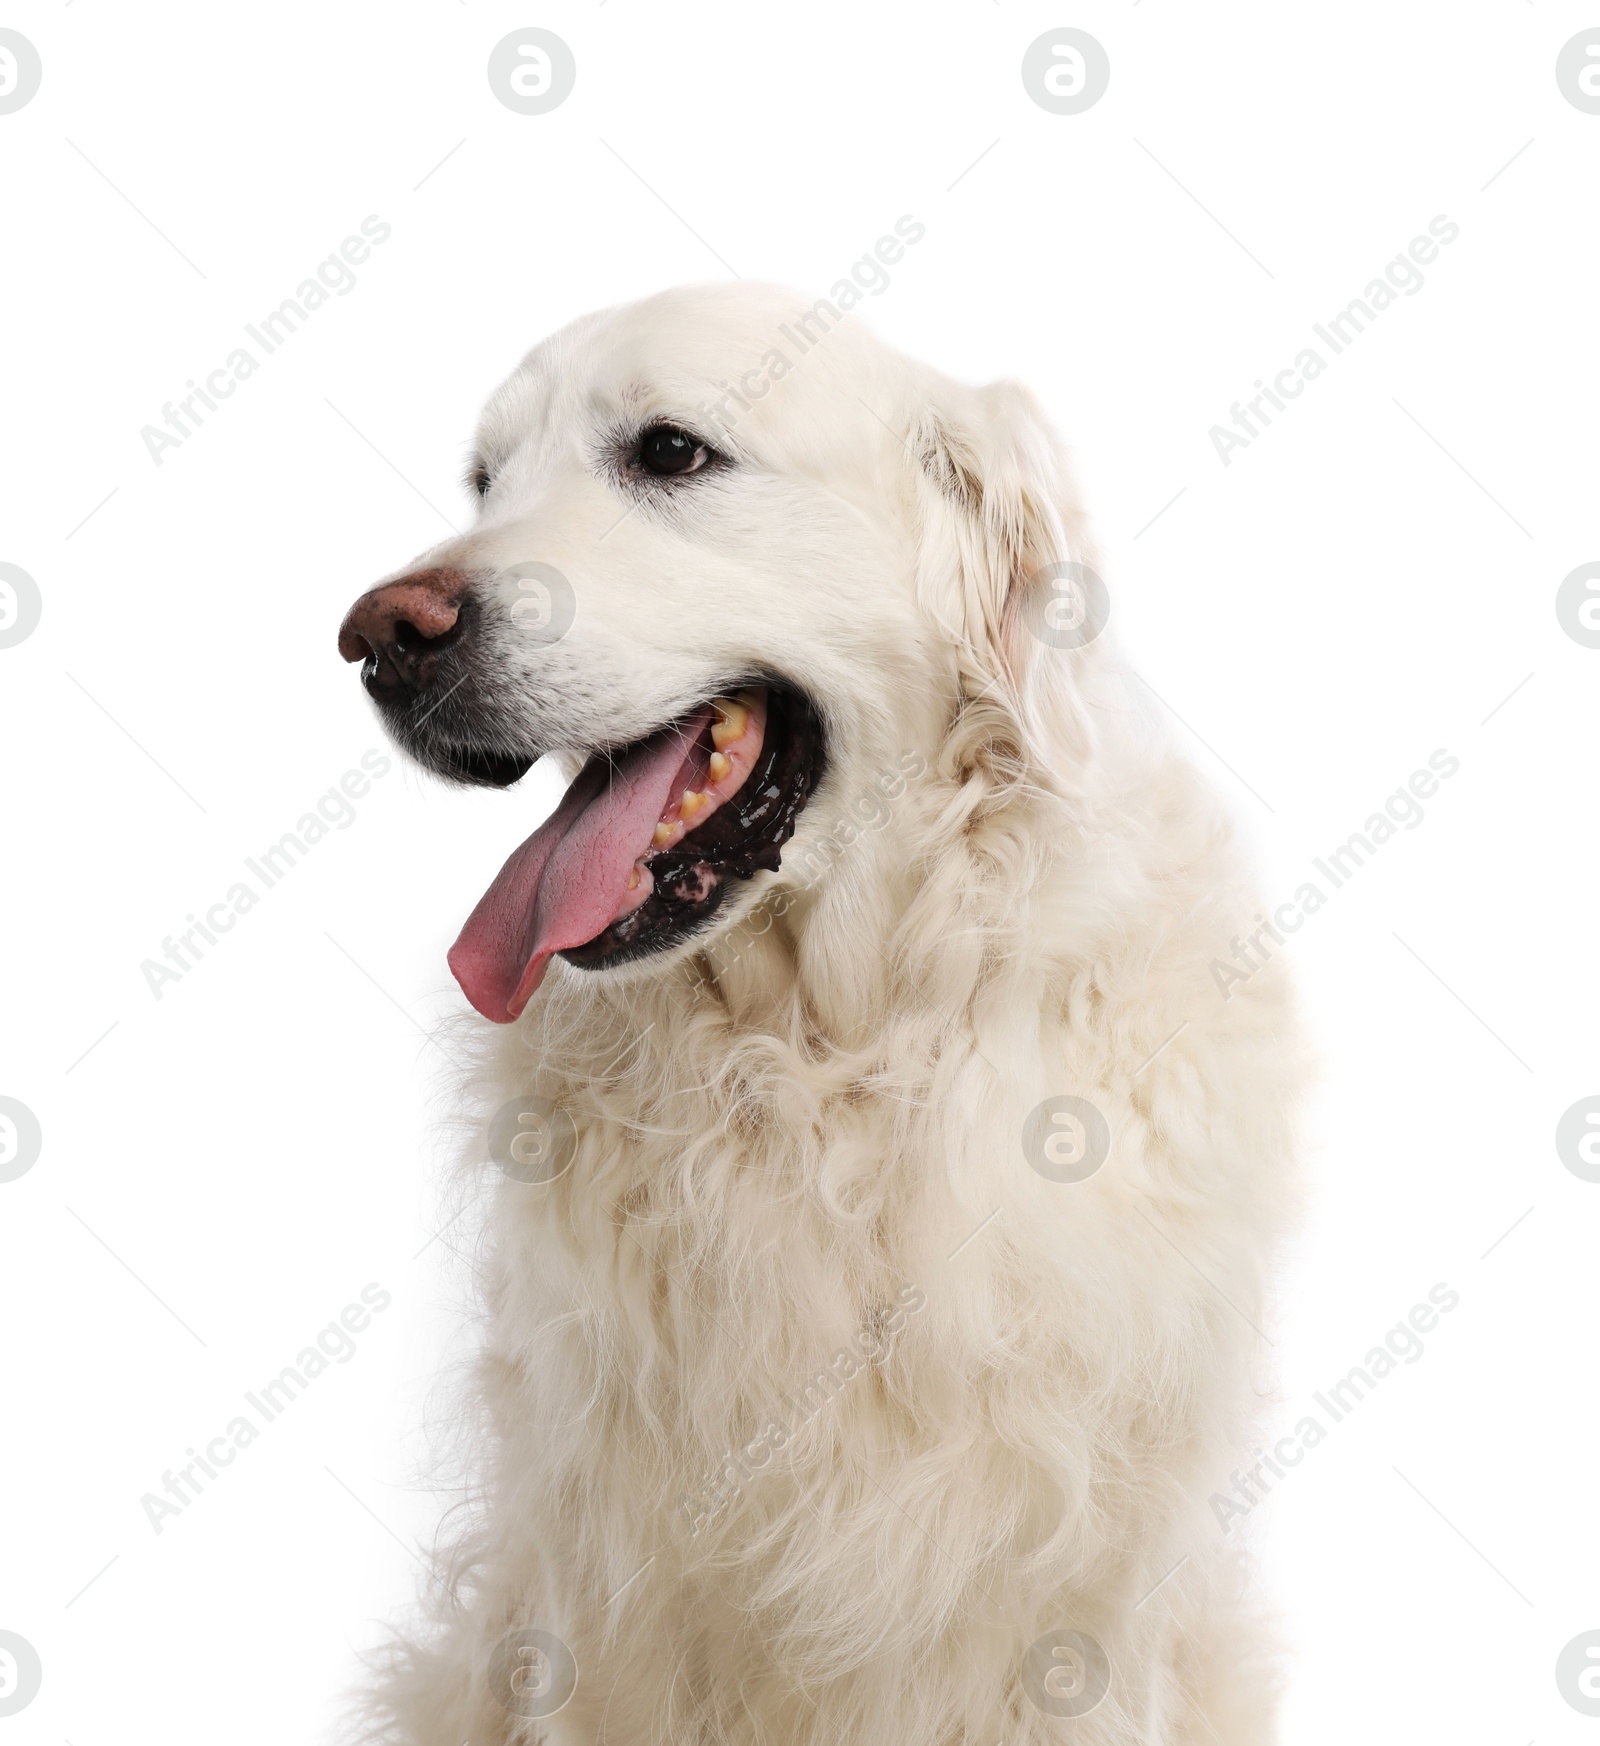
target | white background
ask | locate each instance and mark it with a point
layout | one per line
(225, 1168)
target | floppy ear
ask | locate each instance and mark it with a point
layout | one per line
(1006, 570)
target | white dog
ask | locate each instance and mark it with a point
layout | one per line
(886, 1190)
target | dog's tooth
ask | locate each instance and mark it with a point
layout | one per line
(692, 803)
(730, 723)
(721, 764)
(661, 836)
(633, 879)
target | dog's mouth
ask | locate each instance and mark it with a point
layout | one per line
(643, 849)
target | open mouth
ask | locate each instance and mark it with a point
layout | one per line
(645, 845)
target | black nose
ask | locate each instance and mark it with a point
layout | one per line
(401, 629)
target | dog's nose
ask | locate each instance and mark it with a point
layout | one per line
(401, 629)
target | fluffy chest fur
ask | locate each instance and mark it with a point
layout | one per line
(809, 1365)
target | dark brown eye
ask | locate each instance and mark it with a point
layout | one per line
(664, 449)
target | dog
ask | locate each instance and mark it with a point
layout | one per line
(887, 1198)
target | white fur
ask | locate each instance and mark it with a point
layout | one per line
(816, 1106)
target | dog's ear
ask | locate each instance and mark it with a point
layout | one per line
(1006, 570)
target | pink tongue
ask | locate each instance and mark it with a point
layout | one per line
(566, 883)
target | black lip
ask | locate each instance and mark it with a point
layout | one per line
(467, 766)
(487, 769)
(742, 837)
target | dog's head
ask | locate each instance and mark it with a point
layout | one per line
(735, 560)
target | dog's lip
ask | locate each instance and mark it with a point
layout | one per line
(490, 769)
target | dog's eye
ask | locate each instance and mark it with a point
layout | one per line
(665, 450)
(480, 479)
